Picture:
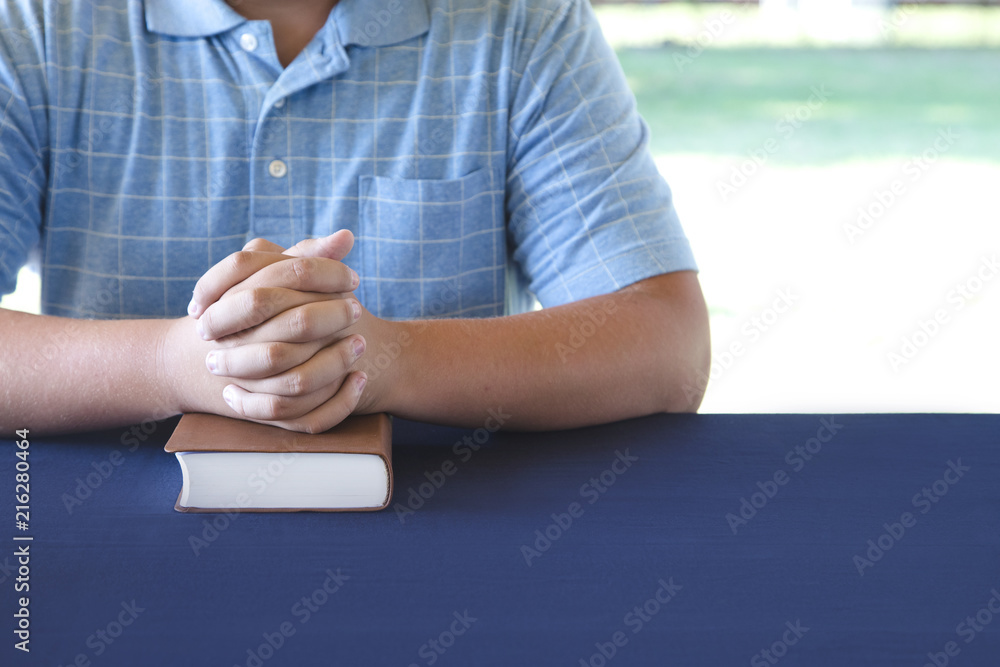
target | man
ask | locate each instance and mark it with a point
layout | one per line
(405, 173)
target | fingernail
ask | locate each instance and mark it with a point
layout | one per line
(200, 326)
(359, 347)
(227, 394)
(355, 279)
(362, 381)
(210, 362)
(355, 309)
(193, 308)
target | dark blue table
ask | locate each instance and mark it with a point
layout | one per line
(670, 540)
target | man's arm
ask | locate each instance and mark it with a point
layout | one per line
(59, 374)
(639, 350)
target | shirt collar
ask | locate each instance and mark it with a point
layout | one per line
(190, 18)
(361, 22)
(380, 22)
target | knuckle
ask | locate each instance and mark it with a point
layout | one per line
(302, 270)
(296, 384)
(253, 299)
(273, 355)
(301, 322)
(275, 407)
(240, 260)
(258, 300)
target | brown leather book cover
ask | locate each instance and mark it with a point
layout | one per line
(358, 434)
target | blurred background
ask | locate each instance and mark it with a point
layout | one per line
(837, 168)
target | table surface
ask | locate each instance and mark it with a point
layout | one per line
(630, 540)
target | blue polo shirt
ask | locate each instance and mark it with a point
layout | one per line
(480, 152)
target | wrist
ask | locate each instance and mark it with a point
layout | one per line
(180, 366)
(385, 361)
(167, 361)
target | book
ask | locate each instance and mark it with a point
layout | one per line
(234, 465)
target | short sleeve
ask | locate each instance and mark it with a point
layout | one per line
(588, 211)
(22, 166)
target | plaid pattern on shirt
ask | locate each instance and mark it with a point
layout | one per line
(480, 152)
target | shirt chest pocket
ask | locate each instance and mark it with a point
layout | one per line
(432, 248)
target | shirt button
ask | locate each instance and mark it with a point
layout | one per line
(277, 168)
(279, 103)
(248, 41)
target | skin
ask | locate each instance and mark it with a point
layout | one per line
(299, 369)
(276, 336)
(648, 353)
(293, 22)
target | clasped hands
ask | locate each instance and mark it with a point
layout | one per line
(278, 335)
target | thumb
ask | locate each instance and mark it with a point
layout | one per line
(335, 246)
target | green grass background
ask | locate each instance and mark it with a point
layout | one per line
(891, 90)
(884, 102)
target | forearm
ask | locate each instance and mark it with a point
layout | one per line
(59, 374)
(610, 357)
